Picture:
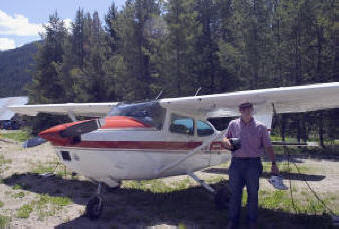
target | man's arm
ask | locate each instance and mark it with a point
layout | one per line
(266, 140)
(226, 142)
(274, 168)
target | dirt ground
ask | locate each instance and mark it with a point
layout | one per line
(128, 207)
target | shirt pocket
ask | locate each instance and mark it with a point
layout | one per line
(236, 133)
(255, 137)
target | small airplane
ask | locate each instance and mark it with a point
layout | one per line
(165, 137)
(6, 115)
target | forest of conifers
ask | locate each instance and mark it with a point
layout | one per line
(179, 46)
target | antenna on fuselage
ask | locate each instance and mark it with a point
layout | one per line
(197, 92)
(159, 95)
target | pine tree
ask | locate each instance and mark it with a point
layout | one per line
(207, 68)
(179, 48)
(46, 86)
(112, 27)
(78, 51)
(134, 63)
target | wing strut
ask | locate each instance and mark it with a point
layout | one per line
(161, 170)
(71, 115)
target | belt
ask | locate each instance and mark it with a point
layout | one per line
(245, 158)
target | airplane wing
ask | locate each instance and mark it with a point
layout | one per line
(73, 109)
(5, 112)
(285, 100)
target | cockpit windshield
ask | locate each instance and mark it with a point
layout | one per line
(150, 113)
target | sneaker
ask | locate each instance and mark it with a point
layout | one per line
(335, 220)
(277, 182)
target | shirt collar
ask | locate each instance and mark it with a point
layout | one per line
(247, 124)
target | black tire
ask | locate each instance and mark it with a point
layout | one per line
(222, 198)
(112, 189)
(94, 207)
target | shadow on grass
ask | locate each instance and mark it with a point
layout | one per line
(330, 153)
(286, 175)
(135, 208)
(78, 191)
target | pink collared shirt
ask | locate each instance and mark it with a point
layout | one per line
(253, 136)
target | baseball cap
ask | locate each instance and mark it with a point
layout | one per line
(245, 105)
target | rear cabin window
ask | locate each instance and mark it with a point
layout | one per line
(204, 129)
(181, 125)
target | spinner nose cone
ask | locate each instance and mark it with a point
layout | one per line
(69, 133)
(54, 134)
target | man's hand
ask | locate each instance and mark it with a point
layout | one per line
(227, 144)
(274, 169)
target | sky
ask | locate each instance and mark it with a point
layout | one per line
(22, 20)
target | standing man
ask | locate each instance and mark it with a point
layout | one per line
(246, 164)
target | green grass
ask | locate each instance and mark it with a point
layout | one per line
(1, 204)
(276, 200)
(157, 185)
(40, 169)
(55, 200)
(17, 187)
(214, 180)
(45, 205)
(303, 203)
(18, 195)
(19, 136)
(285, 168)
(24, 211)
(4, 161)
(48, 205)
(278, 138)
(50, 168)
(4, 220)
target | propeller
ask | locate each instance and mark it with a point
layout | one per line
(82, 128)
(33, 142)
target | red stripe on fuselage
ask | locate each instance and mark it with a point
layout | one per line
(134, 145)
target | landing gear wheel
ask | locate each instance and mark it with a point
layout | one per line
(222, 198)
(94, 207)
(112, 189)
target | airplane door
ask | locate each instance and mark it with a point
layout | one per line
(204, 132)
(182, 127)
(216, 151)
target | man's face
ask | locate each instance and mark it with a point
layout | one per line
(246, 112)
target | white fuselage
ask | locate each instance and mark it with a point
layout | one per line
(111, 155)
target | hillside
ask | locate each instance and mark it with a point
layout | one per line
(15, 65)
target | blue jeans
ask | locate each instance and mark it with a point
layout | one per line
(244, 171)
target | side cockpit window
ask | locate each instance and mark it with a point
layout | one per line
(181, 125)
(204, 129)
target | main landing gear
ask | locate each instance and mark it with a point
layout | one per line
(95, 205)
(221, 197)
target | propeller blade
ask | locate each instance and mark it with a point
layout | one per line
(82, 128)
(33, 142)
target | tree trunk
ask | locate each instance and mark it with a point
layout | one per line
(283, 127)
(304, 133)
(298, 129)
(321, 130)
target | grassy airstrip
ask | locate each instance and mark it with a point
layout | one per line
(28, 199)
